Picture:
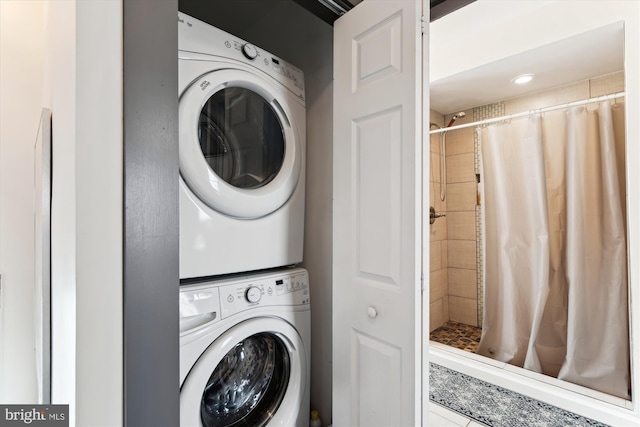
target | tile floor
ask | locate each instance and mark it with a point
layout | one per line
(456, 399)
(457, 335)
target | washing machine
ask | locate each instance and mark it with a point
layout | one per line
(242, 124)
(245, 351)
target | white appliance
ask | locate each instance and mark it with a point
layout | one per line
(242, 154)
(244, 351)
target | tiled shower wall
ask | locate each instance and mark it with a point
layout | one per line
(456, 292)
(461, 229)
(438, 278)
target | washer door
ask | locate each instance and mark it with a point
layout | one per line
(252, 375)
(239, 152)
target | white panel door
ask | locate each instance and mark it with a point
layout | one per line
(377, 327)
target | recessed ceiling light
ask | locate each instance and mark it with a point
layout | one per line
(522, 79)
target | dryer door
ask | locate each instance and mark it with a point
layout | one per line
(253, 374)
(239, 149)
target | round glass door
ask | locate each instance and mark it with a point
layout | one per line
(252, 374)
(248, 385)
(240, 151)
(241, 138)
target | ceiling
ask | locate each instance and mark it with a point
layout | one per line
(592, 54)
(595, 53)
(330, 10)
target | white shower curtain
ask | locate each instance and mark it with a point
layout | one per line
(555, 251)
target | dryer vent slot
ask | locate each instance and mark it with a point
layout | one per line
(278, 107)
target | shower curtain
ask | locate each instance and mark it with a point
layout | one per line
(555, 248)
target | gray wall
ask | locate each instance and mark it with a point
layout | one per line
(287, 30)
(151, 346)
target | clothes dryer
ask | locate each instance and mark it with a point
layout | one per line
(245, 351)
(242, 131)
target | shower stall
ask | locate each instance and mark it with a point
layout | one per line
(516, 276)
(473, 68)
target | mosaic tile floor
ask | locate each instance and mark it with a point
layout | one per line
(495, 406)
(458, 335)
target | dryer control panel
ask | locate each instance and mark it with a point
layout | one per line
(198, 37)
(271, 290)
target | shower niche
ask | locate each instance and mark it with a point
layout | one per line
(529, 261)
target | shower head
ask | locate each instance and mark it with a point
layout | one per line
(456, 117)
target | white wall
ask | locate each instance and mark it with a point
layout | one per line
(61, 73)
(66, 56)
(85, 74)
(488, 30)
(21, 83)
(99, 211)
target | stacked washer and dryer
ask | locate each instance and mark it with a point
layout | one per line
(245, 321)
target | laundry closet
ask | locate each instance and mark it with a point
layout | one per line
(289, 31)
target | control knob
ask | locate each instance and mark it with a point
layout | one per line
(253, 294)
(249, 51)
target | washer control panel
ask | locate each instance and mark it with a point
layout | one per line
(272, 290)
(249, 51)
(253, 295)
(209, 302)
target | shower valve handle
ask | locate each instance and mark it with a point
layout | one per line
(433, 215)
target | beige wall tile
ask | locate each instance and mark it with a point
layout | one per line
(436, 315)
(462, 254)
(434, 173)
(462, 283)
(434, 196)
(463, 310)
(570, 93)
(574, 92)
(459, 141)
(461, 168)
(434, 143)
(438, 230)
(605, 85)
(438, 288)
(461, 196)
(461, 225)
(445, 308)
(435, 256)
(444, 260)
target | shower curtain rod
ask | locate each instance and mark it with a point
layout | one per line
(532, 111)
